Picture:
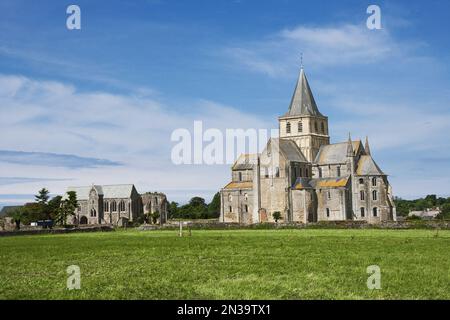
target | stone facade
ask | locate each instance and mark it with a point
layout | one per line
(114, 204)
(156, 202)
(304, 177)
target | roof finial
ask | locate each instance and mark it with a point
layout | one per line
(349, 146)
(301, 60)
(366, 147)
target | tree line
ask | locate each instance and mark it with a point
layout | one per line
(430, 201)
(196, 208)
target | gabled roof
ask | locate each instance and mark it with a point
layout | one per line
(108, 191)
(245, 162)
(288, 149)
(367, 167)
(302, 102)
(336, 153)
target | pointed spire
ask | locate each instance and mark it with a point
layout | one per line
(349, 146)
(366, 146)
(302, 102)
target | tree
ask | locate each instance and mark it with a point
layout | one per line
(33, 212)
(42, 196)
(214, 206)
(67, 209)
(53, 207)
(17, 215)
(173, 210)
(445, 212)
(155, 216)
(276, 216)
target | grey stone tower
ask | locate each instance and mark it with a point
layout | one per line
(303, 123)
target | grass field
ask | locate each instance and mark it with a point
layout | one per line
(241, 264)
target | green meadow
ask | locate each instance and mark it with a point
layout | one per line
(228, 264)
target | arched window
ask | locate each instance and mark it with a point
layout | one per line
(362, 195)
(329, 195)
(374, 195)
(246, 208)
(277, 172)
(338, 171)
(316, 129)
(300, 126)
(93, 213)
(320, 172)
(288, 127)
(328, 212)
(306, 172)
(323, 127)
(240, 176)
(122, 206)
(301, 172)
(361, 181)
(374, 181)
(156, 200)
(230, 198)
(375, 212)
(113, 206)
(231, 209)
(363, 212)
(106, 205)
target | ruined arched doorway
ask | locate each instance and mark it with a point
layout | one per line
(83, 220)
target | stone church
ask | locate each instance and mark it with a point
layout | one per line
(304, 177)
(116, 204)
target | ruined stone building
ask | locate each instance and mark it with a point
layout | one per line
(116, 204)
(304, 177)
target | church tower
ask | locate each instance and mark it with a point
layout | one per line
(303, 123)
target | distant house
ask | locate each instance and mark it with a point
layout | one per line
(427, 214)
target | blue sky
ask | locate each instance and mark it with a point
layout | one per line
(98, 105)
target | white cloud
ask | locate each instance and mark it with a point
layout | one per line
(52, 117)
(322, 47)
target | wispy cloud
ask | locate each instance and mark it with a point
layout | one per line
(19, 180)
(53, 160)
(104, 138)
(346, 44)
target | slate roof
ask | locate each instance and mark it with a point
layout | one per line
(335, 153)
(367, 167)
(302, 102)
(289, 150)
(108, 191)
(245, 162)
(7, 209)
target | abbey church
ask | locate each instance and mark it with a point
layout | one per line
(304, 177)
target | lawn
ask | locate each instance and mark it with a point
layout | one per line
(240, 264)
